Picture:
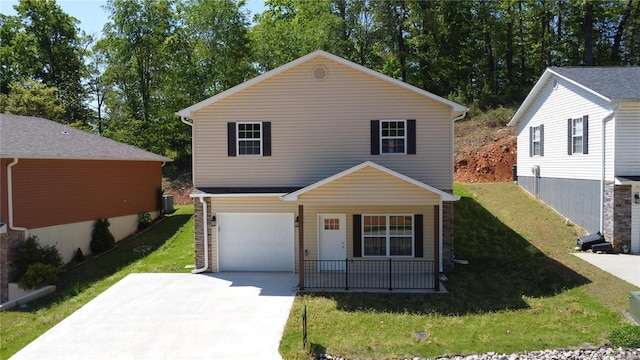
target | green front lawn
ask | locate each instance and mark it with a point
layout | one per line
(522, 290)
(167, 247)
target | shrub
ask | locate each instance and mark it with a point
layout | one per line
(101, 237)
(79, 256)
(144, 220)
(626, 337)
(31, 252)
(38, 275)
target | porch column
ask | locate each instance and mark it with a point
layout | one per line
(436, 247)
(300, 247)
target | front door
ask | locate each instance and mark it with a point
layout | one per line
(332, 241)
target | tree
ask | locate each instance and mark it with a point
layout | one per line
(41, 43)
(30, 98)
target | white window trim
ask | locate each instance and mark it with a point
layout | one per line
(388, 237)
(238, 137)
(394, 137)
(534, 141)
(573, 136)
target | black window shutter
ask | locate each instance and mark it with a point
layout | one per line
(266, 138)
(418, 236)
(357, 235)
(585, 134)
(530, 141)
(375, 137)
(569, 137)
(541, 140)
(231, 139)
(411, 136)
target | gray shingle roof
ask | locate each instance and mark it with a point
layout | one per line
(37, 138)
(615, 83)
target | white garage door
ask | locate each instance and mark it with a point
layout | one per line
(255, 242)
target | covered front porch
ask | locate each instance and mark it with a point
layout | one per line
(369, 229)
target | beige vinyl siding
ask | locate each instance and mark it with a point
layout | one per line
(627, 135)
(553, 107)
(369, 186)
(320, 128)
(311, 224)
(246, 204)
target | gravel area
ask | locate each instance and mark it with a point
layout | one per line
(576, 354)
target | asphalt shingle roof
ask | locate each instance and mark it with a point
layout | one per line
(615, 83)
(38, 138)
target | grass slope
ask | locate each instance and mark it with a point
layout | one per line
(522, 290)
(167, 247)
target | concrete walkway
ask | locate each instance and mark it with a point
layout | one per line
(175, 316)
(626, 267)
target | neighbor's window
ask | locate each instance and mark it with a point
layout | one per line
(387, 235)
(250, 138)
(576, 135)
(535, 141)
(393, 136)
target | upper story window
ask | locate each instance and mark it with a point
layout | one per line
(249, 138)
(578, 135)
(393, 137)
(387, 235)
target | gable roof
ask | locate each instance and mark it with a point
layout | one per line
(613, 84)
(188, 112)
(444, 196)
(38, 138)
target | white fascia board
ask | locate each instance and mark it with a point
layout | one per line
(444, 196)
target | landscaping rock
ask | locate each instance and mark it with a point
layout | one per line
(562, 354)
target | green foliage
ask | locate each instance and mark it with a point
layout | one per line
(39, 275)
(30, 98)
(30, 252)
(144, 220)
(41, 43)
(626, 337)
(101, 237)
(79, 256)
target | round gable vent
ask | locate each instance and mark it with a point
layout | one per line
(320, 73)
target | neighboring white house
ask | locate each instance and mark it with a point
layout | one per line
(302, 162)
(579, 148)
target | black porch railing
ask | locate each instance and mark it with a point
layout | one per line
(387, 274)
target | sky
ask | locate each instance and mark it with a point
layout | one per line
(92, 16)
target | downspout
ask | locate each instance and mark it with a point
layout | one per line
(205, 224)
(602, 164)
(440, 235)
(10, 199)
(193, 168)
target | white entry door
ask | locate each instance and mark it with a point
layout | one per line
(332, 241)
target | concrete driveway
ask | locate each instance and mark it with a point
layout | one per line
(175, 316)
(626, 267)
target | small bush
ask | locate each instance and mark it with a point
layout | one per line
(38, 275)
(101, 237)
(626, 337)
(144, 220)
(79, 256)
(31, 252)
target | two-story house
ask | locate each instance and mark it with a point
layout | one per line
(319, 161)
(579, 148)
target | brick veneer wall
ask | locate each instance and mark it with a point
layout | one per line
(617, 214)
(8, 244)
(199, 233)
(447, 236)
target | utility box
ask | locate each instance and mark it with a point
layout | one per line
(167, 204)
(634, 305)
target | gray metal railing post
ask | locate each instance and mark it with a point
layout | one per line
(390, 275)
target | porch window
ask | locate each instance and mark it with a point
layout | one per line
(387, 235)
